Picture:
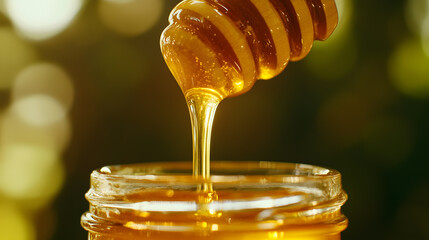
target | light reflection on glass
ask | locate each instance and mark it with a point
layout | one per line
(42, 19)
(229, 205)
(130, 17)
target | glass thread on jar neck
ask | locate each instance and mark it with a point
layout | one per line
(272, 196)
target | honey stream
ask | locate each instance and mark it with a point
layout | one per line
(219, 48)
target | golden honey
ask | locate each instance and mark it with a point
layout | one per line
(218, 49)
(253, 201)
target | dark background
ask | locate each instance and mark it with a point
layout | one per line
(358, 103)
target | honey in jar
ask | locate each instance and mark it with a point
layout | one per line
(218, 49)
(251, 201)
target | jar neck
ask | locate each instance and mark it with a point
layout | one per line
(243, 196)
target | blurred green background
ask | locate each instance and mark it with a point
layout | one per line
(83, 84)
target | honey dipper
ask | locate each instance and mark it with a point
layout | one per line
(224, 46)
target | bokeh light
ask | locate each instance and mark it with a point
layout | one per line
(30, 172)
(34, 131)
(425, 32)
(14, 225)
(15, 54)
(409, 69)
(130, 17)
(42, 94)
(39, 110)
(14, 130)
(42, 19)
(417, 14)
(1, 6)
(425, 36)
(44, 78)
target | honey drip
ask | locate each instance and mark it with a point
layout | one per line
(219, 48)
(202, 105)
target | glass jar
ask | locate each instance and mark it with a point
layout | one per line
(242, 200)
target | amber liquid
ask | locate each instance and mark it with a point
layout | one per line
(218, 49)
(228, 225)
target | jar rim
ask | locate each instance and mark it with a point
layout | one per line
(225, 172)
(268, 191)
(252, 183)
